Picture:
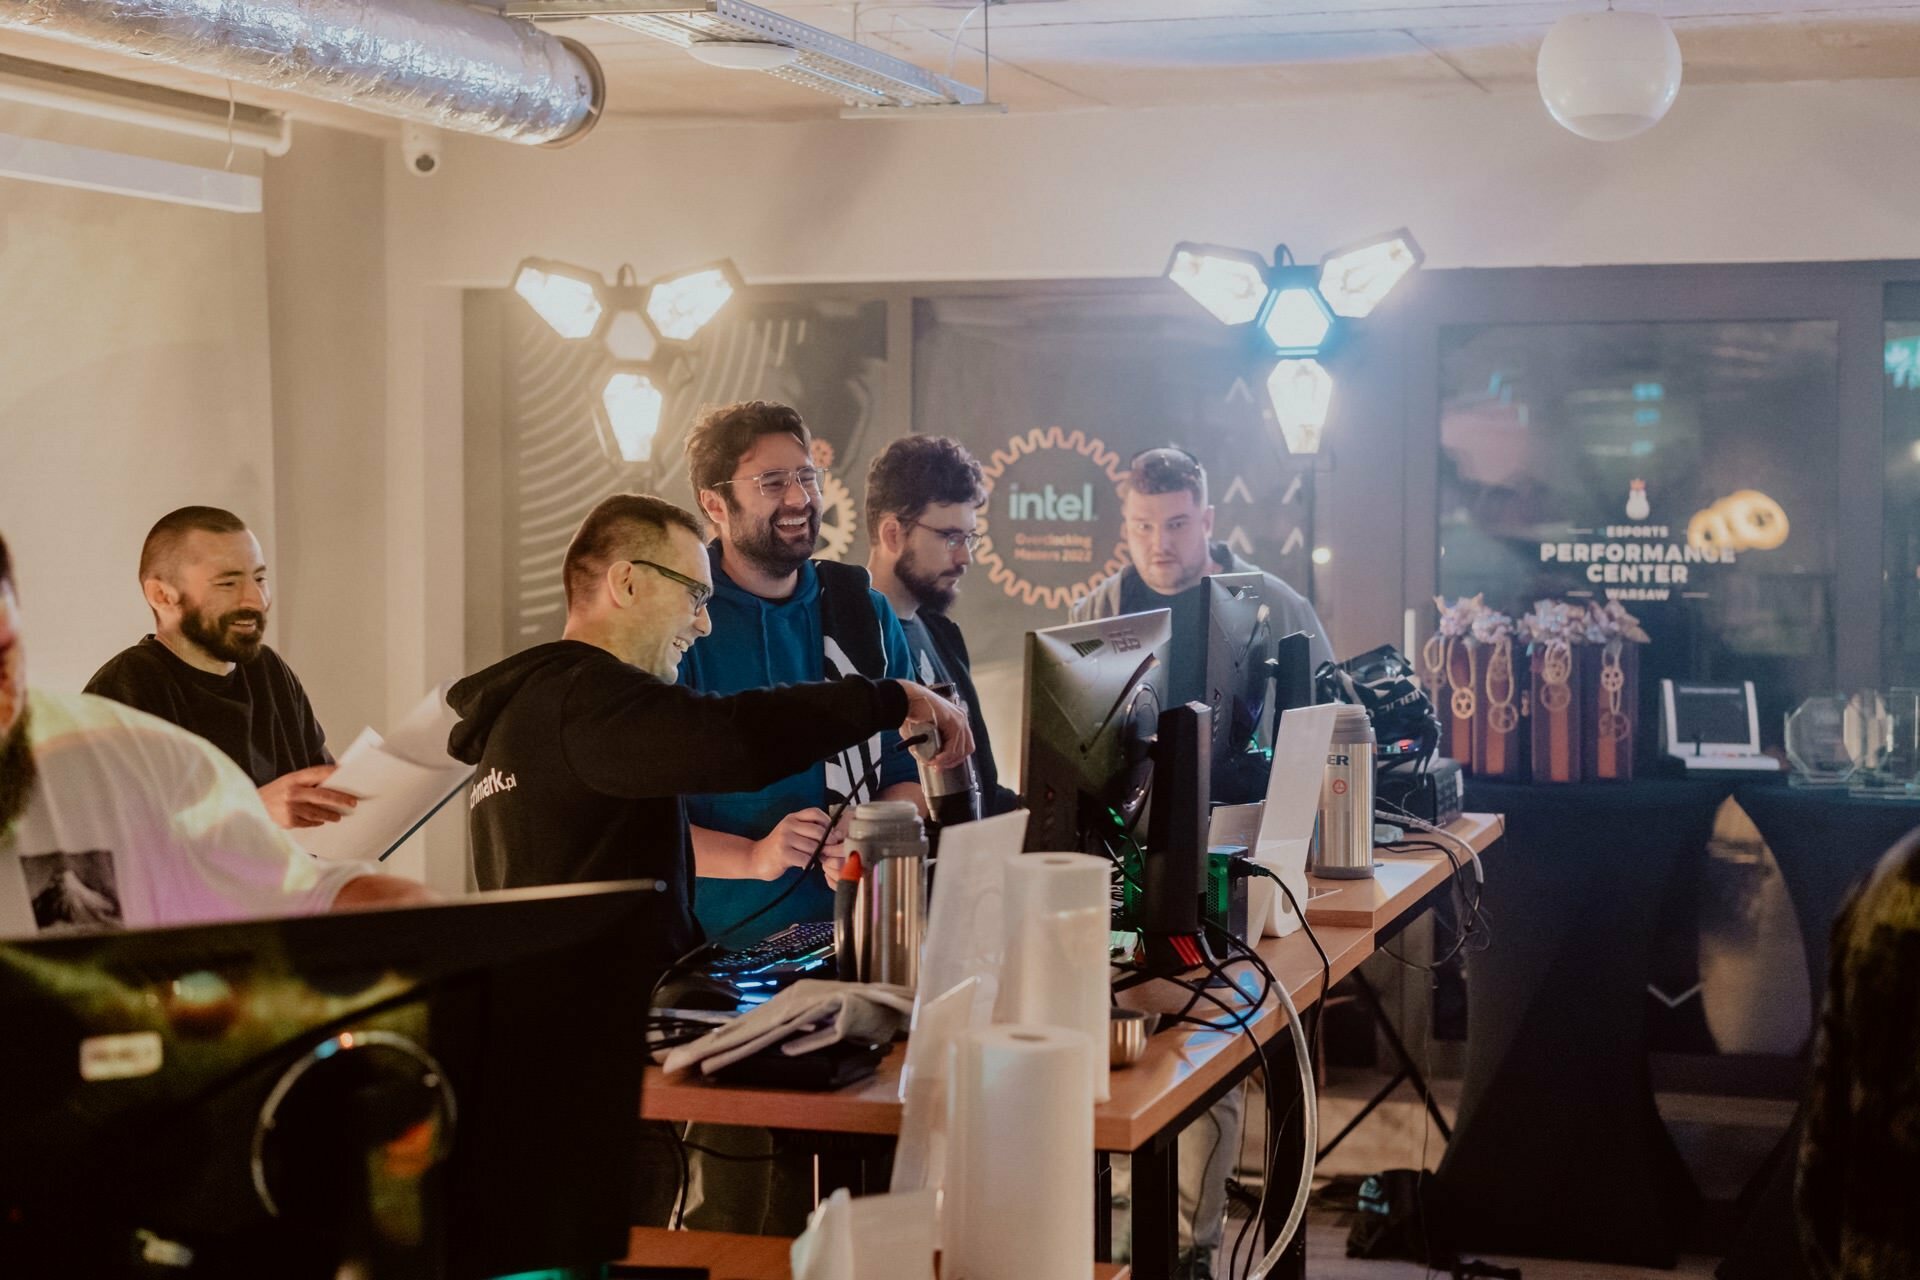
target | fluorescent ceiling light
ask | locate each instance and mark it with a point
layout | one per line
(1229, 283)
(90, 169)
(682, 305)
(822, 61)
(633, 406)
(568, 302)
(1354, 280)
(1301, 392)
(1296, 320)
(743, 55)
(88, 93)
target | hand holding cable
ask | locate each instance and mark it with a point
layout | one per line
(953, 733)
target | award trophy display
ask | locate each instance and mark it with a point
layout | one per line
(1817, 743)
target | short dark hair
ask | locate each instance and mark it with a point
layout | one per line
(164, 539)
(722, 435)
(6, 562)
(1167, 468)
(917, 472)
(618, 528)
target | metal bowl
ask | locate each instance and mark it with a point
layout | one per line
(1127, 1033)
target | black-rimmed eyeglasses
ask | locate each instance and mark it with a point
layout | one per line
(774, 484)
(697, 589)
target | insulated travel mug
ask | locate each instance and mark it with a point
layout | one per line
(1346, 800)
(890, 913)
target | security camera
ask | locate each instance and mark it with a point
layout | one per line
(420, 148)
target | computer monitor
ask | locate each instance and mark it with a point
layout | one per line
(448, 1091)
(1236, 635)
(1094, 693)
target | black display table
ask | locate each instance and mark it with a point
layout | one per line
(1559, 1150)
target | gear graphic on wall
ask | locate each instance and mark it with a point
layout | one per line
(999, 572)
(838, 520)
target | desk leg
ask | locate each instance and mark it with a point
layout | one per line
(1156, 1208)
(1287, 1139)
(1102, 1207)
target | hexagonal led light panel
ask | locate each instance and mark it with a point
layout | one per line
(681, 305)
(1296, 320)
(1301, 392)
(630, 405)
(1355, 279)
(630, 338)
(1230, 283)
(567, 298)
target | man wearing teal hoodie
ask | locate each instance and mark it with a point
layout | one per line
(781, 617)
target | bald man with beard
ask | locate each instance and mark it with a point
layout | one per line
(113, 819)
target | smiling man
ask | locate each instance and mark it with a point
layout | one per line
(781, 617)
(207, 666)
(112, 819)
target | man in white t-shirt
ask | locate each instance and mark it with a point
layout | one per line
(111, 819)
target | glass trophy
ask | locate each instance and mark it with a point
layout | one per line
(1883, 739)
(1817, 743)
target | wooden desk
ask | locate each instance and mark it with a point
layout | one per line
(1399, 883)
(731, 1257)
(1177, 1066)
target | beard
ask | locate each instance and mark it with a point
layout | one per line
(217, 636)
(769, 550)
(935, 590)
(16, 772)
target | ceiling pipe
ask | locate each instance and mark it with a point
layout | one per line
(433, 62)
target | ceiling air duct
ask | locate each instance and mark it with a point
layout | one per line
(434, 62)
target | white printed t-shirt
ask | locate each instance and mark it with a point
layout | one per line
(133, 822)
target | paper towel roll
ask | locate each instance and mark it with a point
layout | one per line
(1019, 1201)
(1056, 972)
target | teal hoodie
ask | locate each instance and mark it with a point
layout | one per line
(756, 643)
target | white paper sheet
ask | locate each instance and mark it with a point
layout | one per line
(398, 780)
(1293, 804)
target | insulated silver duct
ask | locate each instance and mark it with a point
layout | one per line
(435, 62)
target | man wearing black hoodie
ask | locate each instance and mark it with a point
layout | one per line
(585, 746)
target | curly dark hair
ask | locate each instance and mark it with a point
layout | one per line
(917, 472)
(722, 435)
(1167, 468)
(620, 527)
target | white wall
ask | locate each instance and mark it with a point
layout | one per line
(1735, 174)
(133, 379)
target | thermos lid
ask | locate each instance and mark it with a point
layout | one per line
(1352, 725)
(885, 819)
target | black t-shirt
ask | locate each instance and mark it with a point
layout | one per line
(928, 668)
(1187, 673)
(583, 760)
(257, 713)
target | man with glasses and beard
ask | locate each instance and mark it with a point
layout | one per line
(112, 819)
(923, 498)
(208, 669)
(781, 617)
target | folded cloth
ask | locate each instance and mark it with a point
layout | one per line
(808, 1015)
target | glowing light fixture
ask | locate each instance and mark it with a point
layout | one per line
(1296, 319)
(680, 306)
(630, 337)
(1355, 279)
(1609, 75)
(631, 404)
(1229, 283)
(1301, 392)
(567, 298)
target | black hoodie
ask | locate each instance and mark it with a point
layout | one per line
(582, 760)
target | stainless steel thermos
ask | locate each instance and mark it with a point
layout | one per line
(890, 910)
(1346, 800)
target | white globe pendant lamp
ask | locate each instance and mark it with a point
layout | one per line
(1609, 75)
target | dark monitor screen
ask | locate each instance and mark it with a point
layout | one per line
(448, 1091)
(1094, 692)
(1238, 640)
(1710, 714)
